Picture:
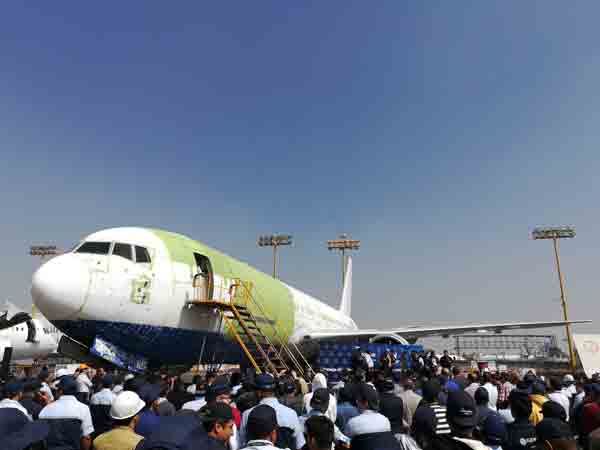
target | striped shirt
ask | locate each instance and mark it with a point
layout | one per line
(440, 414)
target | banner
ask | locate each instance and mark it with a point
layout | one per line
(588, 348)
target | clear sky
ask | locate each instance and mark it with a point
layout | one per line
(438, 133)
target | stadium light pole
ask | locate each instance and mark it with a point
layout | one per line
(342, 244)
(556, 233)
(274, 240)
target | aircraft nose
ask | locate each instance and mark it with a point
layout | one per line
(60, 286)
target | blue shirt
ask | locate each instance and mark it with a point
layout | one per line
(345, 412)
(148, 422)
(286, 417)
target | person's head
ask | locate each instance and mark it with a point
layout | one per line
(538, 388)
(125, 409)
(265, 385)
(455, 371)
(482, 396)
(319, 433)
(366, 397)
(493, 432)
(431, 391)
(555, 383)
(218, 392)
(554, 434)
(461, 413)
(13, 390)
(83, 368)
(346, 394)
(520, 404)
(320, 400)
(67, 385)
(108, 382)
(217, 419)
(445, 352)
(150, 393)
(387, 385)
(210, 378)
(262, 423)
(31, 388)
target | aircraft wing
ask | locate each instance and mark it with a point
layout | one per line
(415, 332)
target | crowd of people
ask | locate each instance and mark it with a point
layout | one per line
(432, 406)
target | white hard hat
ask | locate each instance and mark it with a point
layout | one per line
(129, 376)
(62, 372)
(126, 405)
(568, 378)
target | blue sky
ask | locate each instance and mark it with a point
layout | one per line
(438, 133)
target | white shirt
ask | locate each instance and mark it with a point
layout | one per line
(561, 398)
(194, 405)
(260, 444)
(68, 407)
(117, 389)
(8, 403)
(368, 422)
(286, 417)
(83, 383)
(46, 390)
(104, 397)
(493, 394)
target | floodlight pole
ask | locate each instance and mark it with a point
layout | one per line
(274, 240)
(343, 243)
(563, 300)
(555, 234)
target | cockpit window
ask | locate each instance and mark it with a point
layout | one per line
(94, 248)
(123, 250)
(142, 255)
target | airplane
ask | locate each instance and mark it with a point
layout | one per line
(131, 292)
(29, 338)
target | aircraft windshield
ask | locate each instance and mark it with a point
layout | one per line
(94, 248)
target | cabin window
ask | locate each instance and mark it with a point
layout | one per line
(142, 255)
(94, 248)
(123, 250)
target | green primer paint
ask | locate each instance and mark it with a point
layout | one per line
(274, 297)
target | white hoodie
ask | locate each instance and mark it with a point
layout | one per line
(318, 382)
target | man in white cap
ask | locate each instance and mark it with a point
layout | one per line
(125, 414)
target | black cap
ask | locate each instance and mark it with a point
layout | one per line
(149, 393)
(265, 382)
(12, 388)
(367, 393)
(21, 438)
(482, 396)
(538, 388)
(320, 399)
(108, 381)
(424, 420)
(554, 410)
(550, 428)
(68, 385)
(215, 411)
(388, 385)
(461, 410)
(214, 390)
(431, 390)
(261, 421)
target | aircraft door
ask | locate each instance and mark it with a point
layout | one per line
(203, 278)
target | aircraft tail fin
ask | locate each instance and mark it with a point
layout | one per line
(346, 303)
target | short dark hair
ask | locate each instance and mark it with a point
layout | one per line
(320, 428)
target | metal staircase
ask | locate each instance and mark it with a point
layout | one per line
(272, 355)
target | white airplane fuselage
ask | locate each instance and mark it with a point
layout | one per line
(132, 287)
(16, 337)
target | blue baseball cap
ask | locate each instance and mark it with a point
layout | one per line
(265, 382)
